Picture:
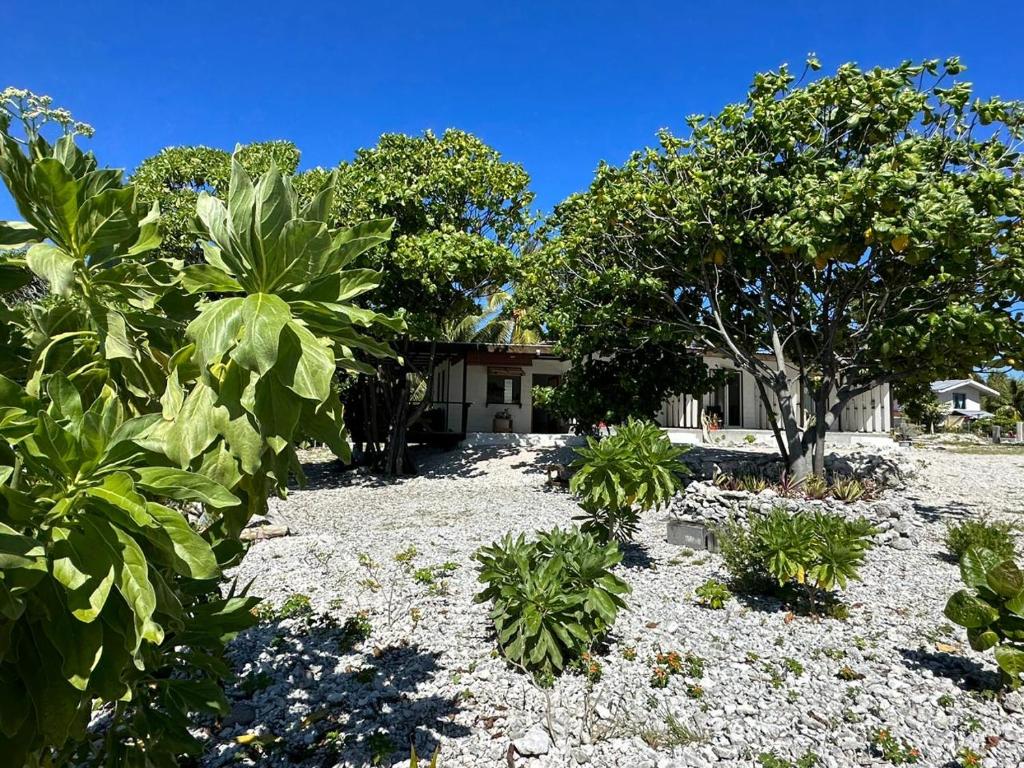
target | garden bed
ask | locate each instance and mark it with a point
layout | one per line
(313, 690)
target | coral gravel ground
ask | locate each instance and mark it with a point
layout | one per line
(313, 691)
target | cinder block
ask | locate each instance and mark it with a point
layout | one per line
(690, 534)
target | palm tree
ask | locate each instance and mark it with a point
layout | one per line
(494, 324)
(1011, 393)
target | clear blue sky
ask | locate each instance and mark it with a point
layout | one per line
(555, 86)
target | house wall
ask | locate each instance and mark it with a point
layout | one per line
(972, 398)
(869, 412)
(480, 416)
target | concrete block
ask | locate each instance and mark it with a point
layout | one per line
(694, 535)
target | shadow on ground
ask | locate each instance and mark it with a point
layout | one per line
(966, 673)
(328, 700)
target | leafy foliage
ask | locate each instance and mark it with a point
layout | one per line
(995, 536)
(713, 594)
(991, 609)
(136, 392)
(809, 549)
(619, 477)
(773, 224)
(553, 597)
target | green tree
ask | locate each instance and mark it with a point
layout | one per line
(827, 236)
(1011, 393)
(921, 406)
(175, 177)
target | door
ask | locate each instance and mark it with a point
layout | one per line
(734, 417)
(543, 421)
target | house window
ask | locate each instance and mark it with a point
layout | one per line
(959, 400)
(504, 386)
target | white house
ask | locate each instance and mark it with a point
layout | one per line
(475, 383)
(962, 397)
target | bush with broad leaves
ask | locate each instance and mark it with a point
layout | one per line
(137, 391)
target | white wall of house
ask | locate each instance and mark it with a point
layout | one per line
(869, 412)
(480, 416)
(971, 398)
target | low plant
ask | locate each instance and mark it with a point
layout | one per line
(815, 487)
(695, 691)
(847, 489)
(294, 606)
(355, 630)
(623, 475)
(789, 485)
(992, 609)
(713, 594)
(816, 551)
(553, 597)
(380, 747)
(414, 761)
(771, 760)
(849, 674)
(995, 536)
(629, 654)
(589, 667)
(753, 483)
(968, 758)
(893, 750)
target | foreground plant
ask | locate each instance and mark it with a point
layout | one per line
(992, 609)
(553, 597)
(628, 473)
(713, 594)
(145, 398)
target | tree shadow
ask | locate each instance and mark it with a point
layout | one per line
(636, 556)
(966, 673)
(328, 700)
(935, 513)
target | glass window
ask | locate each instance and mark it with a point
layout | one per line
(959, 400)
(504, 390)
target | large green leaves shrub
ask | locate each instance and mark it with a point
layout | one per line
(623, 475)
(140, 390)
(991, 609)
(553, 597)
(813, 550)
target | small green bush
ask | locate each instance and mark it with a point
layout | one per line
(553, 597)
(847, 489)
(817, 551)
(713, 594)
(623, 475)
(992, 609)
(987, 534)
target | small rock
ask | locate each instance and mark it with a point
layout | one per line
(532, 743)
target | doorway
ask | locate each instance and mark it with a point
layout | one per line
(544, 421)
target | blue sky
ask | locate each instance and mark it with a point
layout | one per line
(555, 86)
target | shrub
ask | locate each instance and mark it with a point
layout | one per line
(189, 389)
(713, 594)
(623, 475)
(814, 550)
(816, 487)
(847, 489)
(553, 597)
(992, 609)
(986, 534)
(753, 483)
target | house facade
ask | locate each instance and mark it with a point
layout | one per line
(962, 399)
(475, 387)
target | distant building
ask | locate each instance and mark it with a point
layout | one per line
(963, 399)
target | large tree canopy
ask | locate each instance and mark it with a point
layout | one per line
(829, 236)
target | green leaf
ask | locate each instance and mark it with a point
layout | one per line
(975, 565)
(1005, 579)
(968, 611)
(216, 329)
(206, 278)
(55, 266)
(182, 485)
(192, 554)
(82, 565)
(1011, 660)
(307, 363)
(132, 581)
(263, 316)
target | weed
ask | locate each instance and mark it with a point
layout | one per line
(893, 750)
(629, 654)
